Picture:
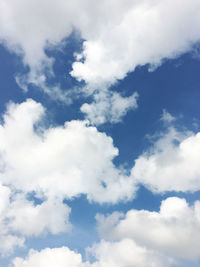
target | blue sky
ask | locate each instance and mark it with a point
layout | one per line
(99, 133)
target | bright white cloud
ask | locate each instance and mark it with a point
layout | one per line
(119, 254)
(61, 257)
(174, 230)
(20, 217)
(126, 253)
(63, 161)
(172, 164)
(28, 219)
(109, 107)
(135, 33)
(118, 36)
(66, 161)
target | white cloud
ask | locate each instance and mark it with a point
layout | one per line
(28, 219)
(174, 230)
(75, 159)
(119, 254)
(167, 117)
(20, 217)
(118, 36)
(172, 164)
(109, 107)
(61, 257)
(63, 161)
(126, 253)
(29, 25)
(140, 238)
(8, 241)
(134, 33)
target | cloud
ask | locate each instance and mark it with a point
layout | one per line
(61, 257)
(167, 117)
(119, 254)
(20, 218)
(30, 26)
(173, 231)
(8, 241)
(28, 219)
(63, 161)
(126, 253)
(139, 238)
(134, 33)
(171, 164)
(109, 107)
(117, 36)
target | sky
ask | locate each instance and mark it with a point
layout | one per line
(99, 133)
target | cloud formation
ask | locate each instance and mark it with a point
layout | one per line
(74, 159)
(117, 37)
(109, 107)
(61, 257)
(63, 161)
(20, 218)
(172, 163)
(173, 231)
(138, 238)
(119, 254)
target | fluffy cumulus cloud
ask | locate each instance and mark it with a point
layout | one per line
(51, 164)
(172, 164)
(61, 257)
(109, 107)
(139, 238)
(20, 217)
(63, 161)
(29, 219)
(136, 33)
(118, 254)
(74, 159)
(173, 231)
(118, 36)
